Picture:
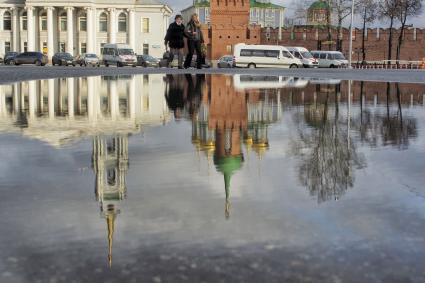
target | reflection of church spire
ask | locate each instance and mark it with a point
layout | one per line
(110, 164)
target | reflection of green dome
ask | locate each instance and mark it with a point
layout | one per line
(228, 165)
(319, 5)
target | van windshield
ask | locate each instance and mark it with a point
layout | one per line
(125, 52)
(306, 55)
(339, 56)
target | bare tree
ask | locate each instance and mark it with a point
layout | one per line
(388, 10)
(300, 10)
(406, 9)
(367, 10)
(342, 9)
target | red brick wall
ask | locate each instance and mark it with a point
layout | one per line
(376, 47)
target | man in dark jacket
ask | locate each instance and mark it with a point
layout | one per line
(175, 38)
(195, 39)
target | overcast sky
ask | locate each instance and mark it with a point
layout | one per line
(178, 5)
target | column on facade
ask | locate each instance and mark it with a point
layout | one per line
(131, 26)
(70, 92)
(50, 32)
(30, 28)
(69, 30)
(15, 30)
(112, 25)
(90, 30)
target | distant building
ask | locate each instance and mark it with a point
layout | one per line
(318, 13)
(262, 12)
(82, 26)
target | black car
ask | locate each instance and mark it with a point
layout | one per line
(36, 58)
(225, 62)
(9, 56)
(147, 61)
(63, 59)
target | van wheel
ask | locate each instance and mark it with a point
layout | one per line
(293, 66)
(251, 66)
(332, 66)
(106, 64)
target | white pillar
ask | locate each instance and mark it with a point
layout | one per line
(132, 98)
(131, 28)
(112, 25)
(90, 99)
(30, 28)
(16, 98)
(69, 30)
(50, 31)
(51, 98)
(113, 100)
(70, 85)
(90, 30)
(15, 30)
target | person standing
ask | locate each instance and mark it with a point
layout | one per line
(195, 39)
(175, 39)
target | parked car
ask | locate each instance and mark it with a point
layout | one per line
(63, 59)
(330, 59)
(119, 55)
(36, 58)
(264, 56)
(147, 61)
(305, 56)
(225, 62)
(88, 59)
(9, 56)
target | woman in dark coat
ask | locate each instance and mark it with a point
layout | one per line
(195, 39)
(175, 38)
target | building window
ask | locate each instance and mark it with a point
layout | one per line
(7, 21)
(43, 22)
(7, 47)
(83, 48)
(24, 23)
(62, 22)
(25, 46)
(145, 25)
(61, 46)
(103, 23)
(145, 49)
(122, 23)
(83, 22)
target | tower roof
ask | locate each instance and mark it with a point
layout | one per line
(319, 5)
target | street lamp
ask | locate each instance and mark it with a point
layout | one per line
(350, 49)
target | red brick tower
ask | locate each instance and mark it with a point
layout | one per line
(229, 26)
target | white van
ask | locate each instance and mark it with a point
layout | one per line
(330, 59)
(264, 56)
(305, 56)
(119, 55)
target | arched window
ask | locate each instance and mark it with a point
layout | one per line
(82, 22)
(62, 21)
(103, 23)
(7, 21)
(43, 21)
(122, 23)
(24, 22)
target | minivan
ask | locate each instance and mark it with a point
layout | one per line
(36, 58)
(264, 56)
(330, 59)
(305, 56)
(119, 55)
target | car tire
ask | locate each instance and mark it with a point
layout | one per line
(12, 62)
(332, 66)
(251, 66)
(38, 63)
(293, 66)
(118, 64)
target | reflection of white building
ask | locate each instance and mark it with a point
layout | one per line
(59, 111)
(82, 26)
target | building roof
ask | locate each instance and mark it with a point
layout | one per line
(319, 5)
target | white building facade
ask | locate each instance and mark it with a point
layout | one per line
(82, 26)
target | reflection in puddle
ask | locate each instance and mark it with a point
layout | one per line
(310, 134)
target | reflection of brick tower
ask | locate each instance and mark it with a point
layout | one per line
(230, 25)
(110, 164)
